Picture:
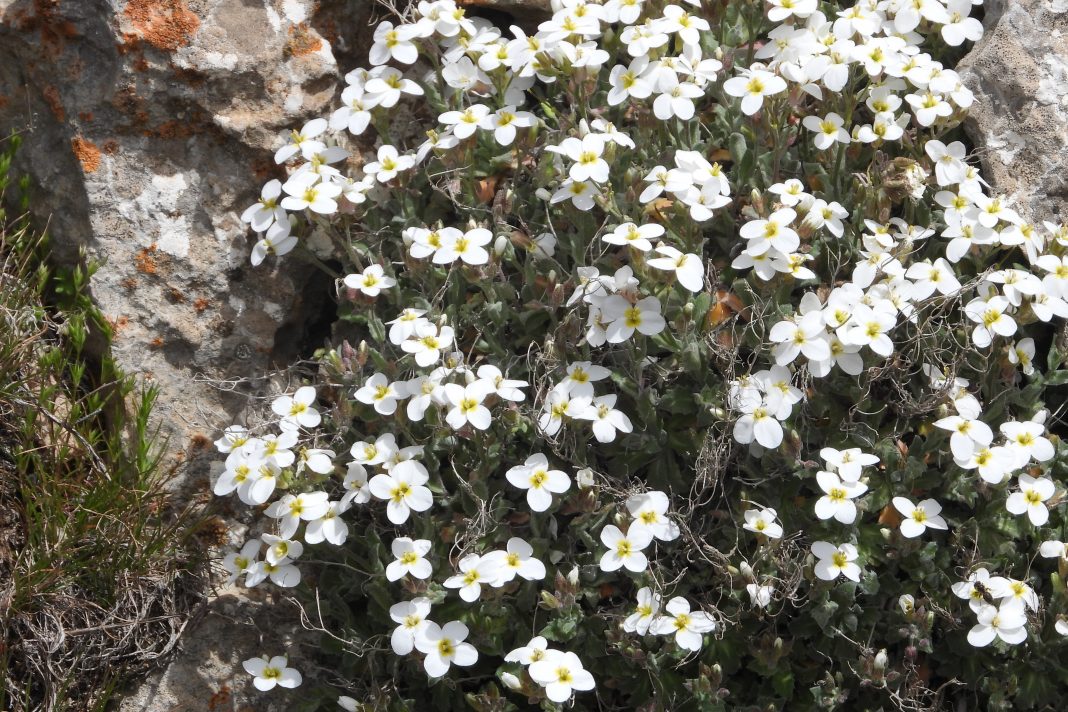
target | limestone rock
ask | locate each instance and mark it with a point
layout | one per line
(148, 126)
(1019, 73)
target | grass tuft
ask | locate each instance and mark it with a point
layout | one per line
(97, 574)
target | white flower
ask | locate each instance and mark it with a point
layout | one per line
(774, 232)
(297, 410)
(329, 527)
(411, 615)
(637, 237)
(532, 652)
(403, 490)
(752, 87)
(835, 560)
(644, 613)
(586, 152)
(1027, 440)
(1031, 498)
(539, 481)
(828, 130)
(393, 43)
(516, 560)
(464, 123)
(444, 646)
(687, 627)
(837, 501)
(266, 212)
(269, 673)
(239, 562)
(306, 192)
(427, 343)
(968, 434)
(1051, 549)
(1006, 623)
(689, 269)
(371, 281)
(380, 393)
(606, 419)
(649, 510)
(760, 595)
(625, 550)
(291, 509)
(388, 165)
(504, 122)
(918, 517)
(561, 674)
(303, 142)
(281, 550)
(467, 407)
(643, 317)
(762, 521)
(992, 319)
(475, 570)
(410, 559)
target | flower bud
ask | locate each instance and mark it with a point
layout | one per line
(747, 571)
(543, 194)
(880, 660)
(573, 576)
(500, 245)
(907, 604)
(584, 478)
(511, 681)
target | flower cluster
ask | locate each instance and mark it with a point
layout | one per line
(618, 246)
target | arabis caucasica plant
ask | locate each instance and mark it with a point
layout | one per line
(682, 360)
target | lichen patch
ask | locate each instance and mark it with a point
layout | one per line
(164, 24)
(86, 152)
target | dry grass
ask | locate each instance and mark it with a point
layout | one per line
(96, 580)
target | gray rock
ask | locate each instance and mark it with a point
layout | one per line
(148, 126)
(1019, 73)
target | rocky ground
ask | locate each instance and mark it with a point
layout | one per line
(150, 124)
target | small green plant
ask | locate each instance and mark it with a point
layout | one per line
(96, 576)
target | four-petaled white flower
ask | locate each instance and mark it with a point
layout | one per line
(835, 560)
(402, 488)
(539, 481)
(410, 558)
(444, 646)
(560, 674)
(273, 672)
(689, 269)
(649, 510)
(625, 550)
(762, 521)
(687, 626)
(371, 281)
(644, 612)
(918, 517)
(1031, 499)
(1005, 622)
(838, 497)
(411, 617)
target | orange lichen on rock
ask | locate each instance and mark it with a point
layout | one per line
(87, 153)
(55, 104)
(145, 260)
(303, 40)
(164, 24)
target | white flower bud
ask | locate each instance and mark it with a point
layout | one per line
(573, 576)
(500, 245)
(584, 478)
(543, 194)
(907, 604)
(511, 681)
